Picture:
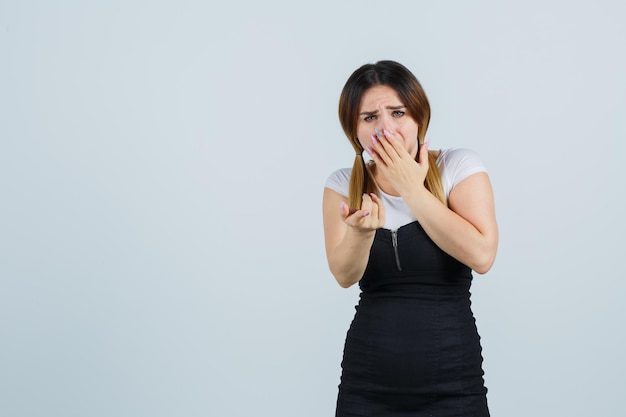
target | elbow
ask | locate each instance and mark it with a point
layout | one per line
(345, 284)
(345, 278)
(484, 264)
(343, 281)
(485, 257)
(482, 269)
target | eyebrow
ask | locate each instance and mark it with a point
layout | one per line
(369, 113)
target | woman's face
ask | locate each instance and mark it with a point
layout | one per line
(382, 109)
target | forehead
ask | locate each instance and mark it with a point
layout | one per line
(380, 95)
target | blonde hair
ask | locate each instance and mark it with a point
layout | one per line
(398, 77)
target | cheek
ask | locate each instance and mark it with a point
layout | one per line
(408, 126)
(409, 132)
(365, 137)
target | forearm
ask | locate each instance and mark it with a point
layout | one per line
(348, 260)
(452, 233)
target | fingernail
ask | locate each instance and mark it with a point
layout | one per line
(369, 150)
(342, 205)
(374, 140)
(373, 195)
(387, 134)
(367, 213)
(427, 142)
(377, 132)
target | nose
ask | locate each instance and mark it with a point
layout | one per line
(385, 122)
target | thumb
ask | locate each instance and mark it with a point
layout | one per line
(345, 210)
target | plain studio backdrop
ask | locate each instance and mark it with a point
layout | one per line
(161, 174)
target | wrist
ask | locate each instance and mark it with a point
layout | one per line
(360, 232)
(417, 189)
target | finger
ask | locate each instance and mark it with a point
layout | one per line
(366, 208)
(384, 140)
(359, 217)
(392, 145)
(423, 157)
(381, 150)
(380, 208)
(374, 155)
(374, 208)
(345, 210)
(396, 145)
(366, 202)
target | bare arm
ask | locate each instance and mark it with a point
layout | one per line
(348, 237)
(467, 228)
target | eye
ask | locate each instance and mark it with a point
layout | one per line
(369, 118)
(398, 113)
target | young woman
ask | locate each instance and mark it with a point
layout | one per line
(409, 227)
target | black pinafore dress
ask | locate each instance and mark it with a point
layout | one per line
(412, 348)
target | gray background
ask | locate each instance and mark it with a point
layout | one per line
(161, 174)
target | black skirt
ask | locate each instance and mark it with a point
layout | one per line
(412, 348)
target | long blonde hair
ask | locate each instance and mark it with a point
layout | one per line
(398, 77)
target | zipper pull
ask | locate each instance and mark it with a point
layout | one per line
(394, 242)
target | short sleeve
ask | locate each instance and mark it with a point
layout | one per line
(339, 181)
(457, 164)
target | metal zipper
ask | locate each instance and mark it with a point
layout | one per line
(394, 242)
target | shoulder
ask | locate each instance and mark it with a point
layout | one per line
(339, 181)
(455, 157)
(456, 164)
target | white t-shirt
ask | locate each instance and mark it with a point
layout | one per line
(455, 165)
